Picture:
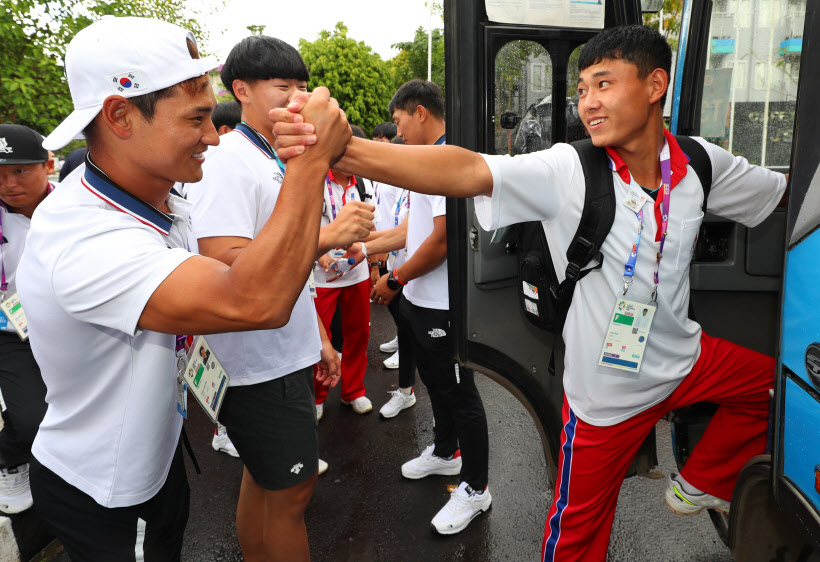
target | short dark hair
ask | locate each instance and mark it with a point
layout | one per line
(227, 113)
(640, 45)
(386, 130)
(418, 93)
(147, 103)
(260, 57)
(397, 140)
(358, 132)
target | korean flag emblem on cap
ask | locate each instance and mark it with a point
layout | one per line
(126, 82)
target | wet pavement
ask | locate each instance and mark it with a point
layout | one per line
(363, 510)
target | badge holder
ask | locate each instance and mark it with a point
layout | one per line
(627, 334)
(205, 377)
(13, 311)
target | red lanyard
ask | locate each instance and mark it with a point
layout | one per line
(333, 199)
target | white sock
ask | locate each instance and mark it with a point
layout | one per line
(408, 390)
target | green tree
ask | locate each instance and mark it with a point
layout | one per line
(667, 21)
(411, 62)
(33, 38)
(354, 74)
(256, 29)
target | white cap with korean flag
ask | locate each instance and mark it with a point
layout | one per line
(126, 57)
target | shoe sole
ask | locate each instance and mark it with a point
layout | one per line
(9, 510)
(440, 472)
(410, 405)
(391, 366)
(484, 509)
(356, 410)
(388, 350)
(671, 498)
(226, 451)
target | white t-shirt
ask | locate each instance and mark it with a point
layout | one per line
(335, 197)
(548, 186)
(239, 188)
(431, 289)
(94, 256)
(15, 228)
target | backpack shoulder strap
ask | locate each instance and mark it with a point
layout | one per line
(596, 218)
(700, 162)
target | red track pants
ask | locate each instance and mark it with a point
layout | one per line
(355, 303)
(593, 460)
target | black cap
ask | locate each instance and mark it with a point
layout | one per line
(21, 145)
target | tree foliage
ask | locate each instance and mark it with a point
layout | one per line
(667, 21)
(33, 39)
(411, 62)
(356, 76)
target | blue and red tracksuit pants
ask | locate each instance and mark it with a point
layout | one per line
(593, 460)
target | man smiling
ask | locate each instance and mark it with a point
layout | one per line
(624, 75)
(108, 281)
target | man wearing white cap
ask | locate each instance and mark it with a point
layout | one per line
(108, 280)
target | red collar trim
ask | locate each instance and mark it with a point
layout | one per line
(678, 160)
(333, 179)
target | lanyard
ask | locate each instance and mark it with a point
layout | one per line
(333, 199)
(4, 285)
(629, 267)
(244, 129)
(404, 197)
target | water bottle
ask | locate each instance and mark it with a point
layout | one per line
(342, 266)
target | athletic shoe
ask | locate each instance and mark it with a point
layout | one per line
(392, 362)
(15, 492)
(428, 464)
(398, 401)
(682, 502)
(320, 411)
(323, 466)
(221, 442)
(465, 504)
(390, 346)
(361, 405)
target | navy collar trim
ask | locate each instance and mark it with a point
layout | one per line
(97, 182)
(258, 140)
(441, 140)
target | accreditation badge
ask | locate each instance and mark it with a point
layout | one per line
(13, 311)
(627, 335)
(205, 378)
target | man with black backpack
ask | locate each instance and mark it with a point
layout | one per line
(620, 378)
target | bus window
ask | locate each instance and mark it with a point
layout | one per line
(750, 82)
(523, 87)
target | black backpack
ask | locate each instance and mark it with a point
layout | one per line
(544, 301)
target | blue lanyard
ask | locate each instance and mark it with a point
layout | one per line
(333, 199)
(629, 267)
(261, 143)
(402, 199)
(3, 283)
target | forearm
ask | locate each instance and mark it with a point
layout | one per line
(429, 256)
(270, 273)
(388, 240)
(437, 170)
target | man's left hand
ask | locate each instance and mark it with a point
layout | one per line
(381, 293)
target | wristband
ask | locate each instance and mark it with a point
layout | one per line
(375, 264)
(364, 250)
(396, 277)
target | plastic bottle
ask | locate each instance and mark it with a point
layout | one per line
(342, 265)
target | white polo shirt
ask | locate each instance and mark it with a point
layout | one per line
(548, 186)
(15, 228)
(431, 289)
(385, 201)
(236, 196)
(337, 196)
(94, 256)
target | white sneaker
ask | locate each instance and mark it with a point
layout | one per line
(682, 502)
(392, 362)
(398, 401)
(323, 466)
(320, 411)
(390, 346)
(428, 464)
(465, 504)
(361, 405)
(15, 492)
(221, 442)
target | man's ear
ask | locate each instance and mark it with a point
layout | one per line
(658, 81)
(118, 115)
(224, 129)
(49, 164)
(421, 113)
(241, 91)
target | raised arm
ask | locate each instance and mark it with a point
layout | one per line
(437, 170)
(259, 289)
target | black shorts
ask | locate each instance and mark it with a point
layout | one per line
(89, 531)
(272, 424)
